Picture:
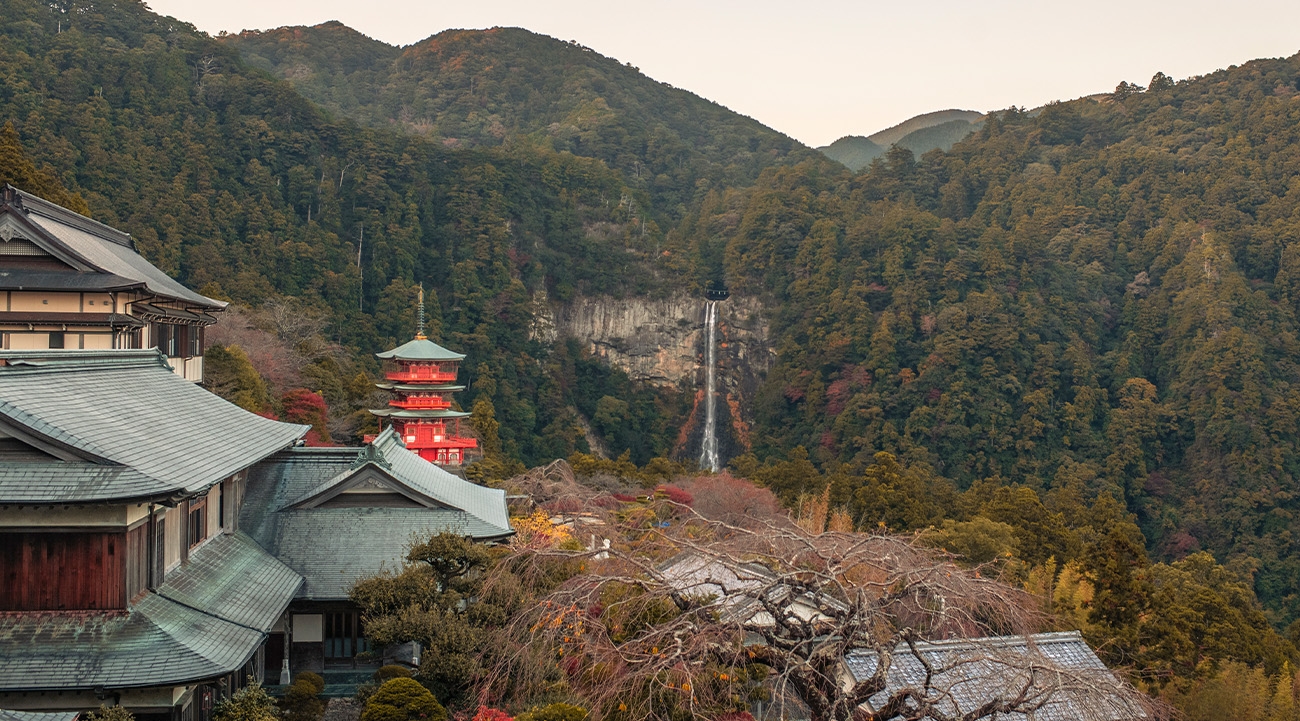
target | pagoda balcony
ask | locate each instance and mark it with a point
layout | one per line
(420, 376)
(446, 442)
(421, 404)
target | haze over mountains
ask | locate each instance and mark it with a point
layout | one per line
(919, 134)
(1073, 333)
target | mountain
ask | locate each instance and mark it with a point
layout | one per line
(921, 134)
(895, 134)
(853, 151)
(488, 88)
(236, 184)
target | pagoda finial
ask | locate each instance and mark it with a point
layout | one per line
(419, 318)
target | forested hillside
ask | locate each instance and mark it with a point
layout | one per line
(1100, 299)
(236, 184)
(506, 86)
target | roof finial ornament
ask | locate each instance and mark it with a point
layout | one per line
(419, 318)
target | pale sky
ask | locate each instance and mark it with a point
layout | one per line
(818, 70)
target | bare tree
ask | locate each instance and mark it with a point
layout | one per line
(691, 617)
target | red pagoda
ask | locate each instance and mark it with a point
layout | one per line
(421, 375)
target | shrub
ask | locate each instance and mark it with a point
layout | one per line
(554, 712)
(251, 703)
(390, 672)
(300, 702)
(491, 714)
(403, 699)
(110, 713)
(316, 680)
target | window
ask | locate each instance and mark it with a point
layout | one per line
(198, 524)
(221, 505)
(164, 338)
(56, 340)
(195, 337)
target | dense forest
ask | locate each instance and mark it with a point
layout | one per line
(1066, 345)
(239, 186)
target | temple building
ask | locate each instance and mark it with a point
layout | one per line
(421, 375)
(69, 282)
(124, 576)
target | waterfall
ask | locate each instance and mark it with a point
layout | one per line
(709, 449)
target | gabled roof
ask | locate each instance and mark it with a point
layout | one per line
(88, 248)
(124, 426)
(969, 672)
(740, 589)
(332, 547)
(206, 621)
(420, 349)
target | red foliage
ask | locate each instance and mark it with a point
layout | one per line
(933, 395)
(676, 495)
(725, 497)
(624, 497)
(793, 394)
(302, 406)
(485, 713)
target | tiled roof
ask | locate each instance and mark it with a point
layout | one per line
(6, 715)
(110, 251)
(232, 577)
(333, 547)
(420, 349)
(127, 409)
(969, 672)
(198, 633)
(60, 482)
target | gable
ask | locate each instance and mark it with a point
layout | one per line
(367, 486)
(20, 238)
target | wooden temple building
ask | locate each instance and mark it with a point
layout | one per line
(422, 375)
(69, 282)
(161, 547)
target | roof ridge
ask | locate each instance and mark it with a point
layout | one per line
(57, 212)
(78, 360)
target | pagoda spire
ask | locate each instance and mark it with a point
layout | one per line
(419, 317)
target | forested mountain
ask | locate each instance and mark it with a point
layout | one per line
(506, 86)
(1072, 316)
(236, 184)
(1097, 299)
(921, 134)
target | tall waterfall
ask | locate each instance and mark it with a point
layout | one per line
(709, 448)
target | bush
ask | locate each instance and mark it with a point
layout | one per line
(300, 702)
(390, 672)
(110, 713)
(403, 699)
(316, 680)
(554, 712)
(251, 703)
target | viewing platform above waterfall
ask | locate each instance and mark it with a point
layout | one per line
(717, 293)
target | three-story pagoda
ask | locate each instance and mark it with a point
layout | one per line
(421, 375)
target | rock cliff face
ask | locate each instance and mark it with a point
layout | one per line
(661, 341)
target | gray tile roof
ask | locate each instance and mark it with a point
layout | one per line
(6, 715)
(109, 250)
(126, 409)
(25, 279)
(198, 634)
(234, 578)
(971, 671)
(420, 349)
(333, 547)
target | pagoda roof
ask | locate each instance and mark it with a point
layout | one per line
(206, 620)
(96, 256)
(420, 349)
(287, 509)
(93, 426)
(392, 412)
(443, 388)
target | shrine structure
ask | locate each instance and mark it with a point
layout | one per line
(421, 375)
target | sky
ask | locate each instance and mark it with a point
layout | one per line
(821, 69)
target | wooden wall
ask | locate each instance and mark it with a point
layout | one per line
(65, 571)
